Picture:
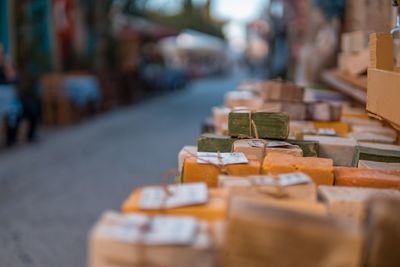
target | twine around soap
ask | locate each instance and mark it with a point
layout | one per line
(223, 169)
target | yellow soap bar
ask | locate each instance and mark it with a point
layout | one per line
(214, 209)
(341, 128)
(367, 178)
(319, 169)
(196, 172)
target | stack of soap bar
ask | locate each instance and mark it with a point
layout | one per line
(304, 191)
(260, 235)
(383, 233)
(115, 242)
(186, 152)
(341, 128)
(214, 209)
(310, 148)
(350, 202)
(260, 148)
(208, 173)
(345, 176)
(234, 99)
(376, 152)
(376, 165)
(272, 125)
(340, 149)
(214, 143)
(319, 169)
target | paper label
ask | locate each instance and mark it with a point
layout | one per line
(221, 158)
(283, 180)
(157, 197)
(278, 144)
(158, 230)
(256, 143)
(294, 178)
(327, 131)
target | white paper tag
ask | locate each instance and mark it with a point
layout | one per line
(158, 230)
(221, 158)
(256, 143)
(283, 180)
(294, 178)
(327, 131)
(156, 197)
(278, 144)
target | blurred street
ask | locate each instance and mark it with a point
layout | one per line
(52, 192)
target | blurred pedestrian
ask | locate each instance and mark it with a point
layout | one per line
(10, 106)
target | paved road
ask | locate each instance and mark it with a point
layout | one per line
(52, 192)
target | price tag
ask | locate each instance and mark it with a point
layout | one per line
(157, 197)
(278, 144)
(158, 230)
(295, 178)
(283, 180)
(221, 158)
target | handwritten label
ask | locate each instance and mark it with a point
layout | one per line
(158, 230)
(283, 180)
(221, 158)
(173, 196)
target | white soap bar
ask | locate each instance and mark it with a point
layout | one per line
(186, 152)
(340, 149)
(350, 202)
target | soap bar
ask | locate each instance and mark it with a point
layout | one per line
(324, 111)
(234, 99)
(376, 165)
(340, 149)
(186, 152)
(341, 128)
(273, 125)
(373, 138)
(220, 119)
(376, 152)
(361, 122)
(208, 173)
(265, 235)
(304, 191)
(261, 148)
(345, 176)
(296, 111)
(383, 233)
(297, 128)
(279, 90)
(375, 130)
(310, 148)
(319, 169)
(215, 143)
(214, 210)
(110, 245)
(350, 202)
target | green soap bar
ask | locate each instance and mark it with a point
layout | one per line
(375, 154)
(310, 148)
(273, 125)
(215, 143)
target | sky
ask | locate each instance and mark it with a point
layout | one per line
(237, 12)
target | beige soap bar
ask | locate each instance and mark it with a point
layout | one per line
(361, 122)
(220, 119)
(375, 130)
(340, 149)
(260, 149)
(185, 153)
(350, 202)
(375, 165)
(260, 235)
(106, 249)
(373, 138)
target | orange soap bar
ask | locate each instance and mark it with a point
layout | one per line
(214, 209)
(194, 172)
(319, 169)
(341, 128)
(367, 178)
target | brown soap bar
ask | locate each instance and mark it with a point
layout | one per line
(383, 233)
(260, 235)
